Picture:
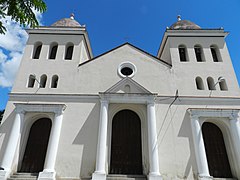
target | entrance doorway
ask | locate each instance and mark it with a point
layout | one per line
(35, 151)
(217, 157)
(126, 146)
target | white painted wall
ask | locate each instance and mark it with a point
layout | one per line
(76, 155)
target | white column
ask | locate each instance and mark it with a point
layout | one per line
(152, 143)
(50, 159)
(235, 133)
(12, 142)
(200, 154)
(100, 172)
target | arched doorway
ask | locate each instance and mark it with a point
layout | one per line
(126, 146)
(215, 148)
(35, 151)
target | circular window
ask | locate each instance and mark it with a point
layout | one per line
(127, 69)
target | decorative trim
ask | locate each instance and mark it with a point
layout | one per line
(127, 64)
(128, 81)
(128, 98)
(219, 113)
(55, 108)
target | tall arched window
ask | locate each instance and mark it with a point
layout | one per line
(37, 50)
(43, 81)
(54, 83)
(69, 51)
(53, 50)
(199, 83)
(31, 81)
(217, 157)
(199, 53)
(215, 53)
(182, 53)
(223, 85)
(211, 84)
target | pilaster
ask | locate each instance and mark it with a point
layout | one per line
(49, 172)
(12, 143)
(100, 172)
(152, 143)
(200, 154)
(235, 134)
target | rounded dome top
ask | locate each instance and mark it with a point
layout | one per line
(184, 24)
(67, 22)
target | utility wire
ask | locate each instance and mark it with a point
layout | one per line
(165, 118)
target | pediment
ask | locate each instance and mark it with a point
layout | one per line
(125, 47)
(128, 85)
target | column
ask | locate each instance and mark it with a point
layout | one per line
(200, 154)
(152, 143)
(50, 159)
(12, 143)
(100, 172)
(235, 133)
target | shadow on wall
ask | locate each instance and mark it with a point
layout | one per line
(88, 137)
(185, 131)
(5, 130)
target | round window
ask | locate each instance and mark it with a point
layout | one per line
(127, 69)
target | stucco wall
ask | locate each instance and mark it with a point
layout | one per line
(79, 86)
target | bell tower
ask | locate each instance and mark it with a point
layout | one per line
(51, 53)
(200, 60)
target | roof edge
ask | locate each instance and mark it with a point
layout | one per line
(127, 43)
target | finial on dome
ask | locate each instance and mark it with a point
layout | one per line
(179, 17)
(72, 16)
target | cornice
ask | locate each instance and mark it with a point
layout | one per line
(134, 97)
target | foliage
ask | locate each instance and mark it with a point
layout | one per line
(21, 11)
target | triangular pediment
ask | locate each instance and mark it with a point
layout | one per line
(127, 85)
(127, 46)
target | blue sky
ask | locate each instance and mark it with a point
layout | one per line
(111, 23)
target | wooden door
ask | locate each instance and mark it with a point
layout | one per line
(35, 151)
(126, 146)
(217, 157)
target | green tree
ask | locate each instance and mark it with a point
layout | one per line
(21, 11)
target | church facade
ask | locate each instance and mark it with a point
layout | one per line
(125, 114)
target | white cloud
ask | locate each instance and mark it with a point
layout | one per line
(38, 16)
(3, 57)
(11, 49)
(9, 69)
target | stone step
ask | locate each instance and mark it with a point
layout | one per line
(23, 176)
(125, 177)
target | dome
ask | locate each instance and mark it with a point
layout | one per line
(184, 24)
(67, 22)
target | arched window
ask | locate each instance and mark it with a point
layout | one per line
(31, 81)
(182, 53)
(43, 81)
(215, 53)
(53, 50)
(223, 85)
(218, 163)
(199, 53)
(211, 84)
(37, 50)
(199, 83)
(54, 83)
(69, 51)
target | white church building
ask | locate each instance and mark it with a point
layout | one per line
(125, 114)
